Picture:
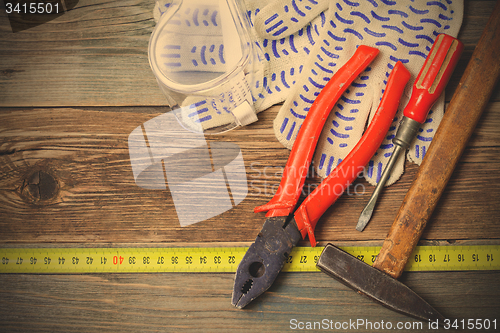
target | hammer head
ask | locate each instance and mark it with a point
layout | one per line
(375, 284)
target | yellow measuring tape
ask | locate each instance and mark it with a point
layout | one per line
(224, 259)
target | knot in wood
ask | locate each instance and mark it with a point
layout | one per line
(40, 187)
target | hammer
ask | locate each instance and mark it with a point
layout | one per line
(467, 104)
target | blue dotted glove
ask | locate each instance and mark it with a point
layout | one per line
(283, 18)
(286, 45)
(404, 30)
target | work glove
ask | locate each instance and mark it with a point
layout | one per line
(286, 44)
(282, 57)
(404, 30)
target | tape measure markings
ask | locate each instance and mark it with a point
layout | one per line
(224, 259)
(438, 258)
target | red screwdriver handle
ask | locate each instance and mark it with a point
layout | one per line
(297, 166)
(433, 76)
(309, 212)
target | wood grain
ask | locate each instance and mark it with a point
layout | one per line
(72, 90)
(86, 152)
(201, 302)
(96, 55)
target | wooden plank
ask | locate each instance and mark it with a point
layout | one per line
(66, 179)
(201, 302)
(96, 55)
(89, 193)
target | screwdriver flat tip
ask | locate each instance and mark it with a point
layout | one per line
(364, 218)
(366, 214)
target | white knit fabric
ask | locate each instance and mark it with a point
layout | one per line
(404, 30)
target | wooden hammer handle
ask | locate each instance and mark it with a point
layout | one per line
(457, 125)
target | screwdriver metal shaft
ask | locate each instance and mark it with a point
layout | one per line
(428, 86)
(405, 134)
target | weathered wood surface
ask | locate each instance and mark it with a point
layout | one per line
(201, 303)
(71, 92)
(96, 199)
(96, 55)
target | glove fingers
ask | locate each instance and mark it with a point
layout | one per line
(322, 63)
(345, 125)
(294, 110)
(284, 62)
(284, 17)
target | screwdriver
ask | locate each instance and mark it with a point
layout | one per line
(429, 84)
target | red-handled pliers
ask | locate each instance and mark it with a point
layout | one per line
(282, 231)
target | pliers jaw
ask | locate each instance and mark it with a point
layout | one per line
(264, 259)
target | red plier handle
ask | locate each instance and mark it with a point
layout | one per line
(285, 199)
